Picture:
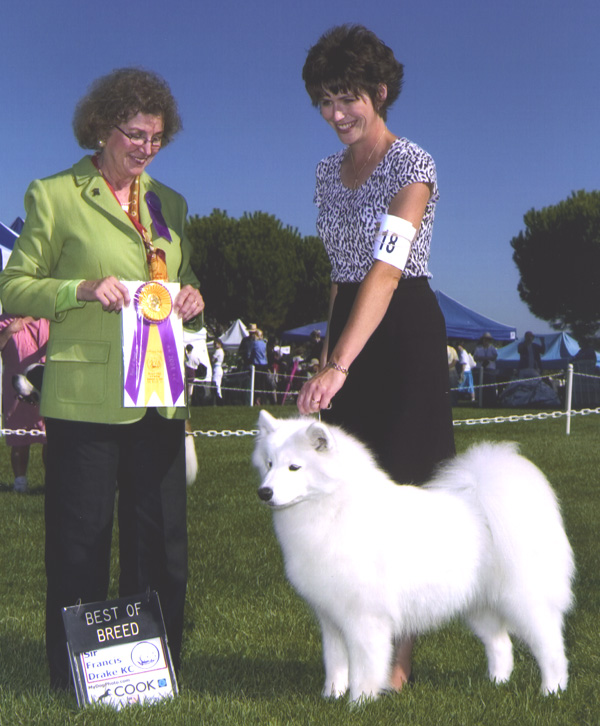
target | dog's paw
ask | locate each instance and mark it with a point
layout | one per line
(334, 690)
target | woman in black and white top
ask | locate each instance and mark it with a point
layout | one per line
(384, 364)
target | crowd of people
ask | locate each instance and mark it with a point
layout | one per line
(287, 367)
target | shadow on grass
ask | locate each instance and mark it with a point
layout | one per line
(34, 490)
(226, 676)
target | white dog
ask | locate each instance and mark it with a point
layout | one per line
(377, 561)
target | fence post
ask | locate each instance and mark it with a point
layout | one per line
(252, 372)
(569, 396)
(480, 392)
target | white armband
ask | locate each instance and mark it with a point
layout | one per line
(393, 241)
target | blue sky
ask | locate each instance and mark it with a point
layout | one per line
(505, 96)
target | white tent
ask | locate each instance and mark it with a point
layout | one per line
(232, 338)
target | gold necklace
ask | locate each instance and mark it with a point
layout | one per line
(359, 172)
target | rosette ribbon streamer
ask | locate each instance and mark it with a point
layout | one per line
(154, 355)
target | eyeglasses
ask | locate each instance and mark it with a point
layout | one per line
(138, 139)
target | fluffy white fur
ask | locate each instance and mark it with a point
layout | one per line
(377, 561)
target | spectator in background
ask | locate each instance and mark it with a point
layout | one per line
(192, 361)
(312, 367)
(22, 342)
(530, 356)
(485, 353)
(275, 366)
(218, 357)
(314, 346)
(245, 346)
(466, 365)
(260, 362)
(258, 352)
(453, 373)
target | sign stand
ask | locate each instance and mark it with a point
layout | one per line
(118, 651)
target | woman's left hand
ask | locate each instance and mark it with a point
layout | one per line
(318, 391)
(188, 303)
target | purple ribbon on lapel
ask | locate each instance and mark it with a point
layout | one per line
(154, 207)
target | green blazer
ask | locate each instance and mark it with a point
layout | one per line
(75, 229)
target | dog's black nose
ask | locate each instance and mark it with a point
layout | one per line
(265, 493)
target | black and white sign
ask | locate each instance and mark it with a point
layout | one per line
(119, 652)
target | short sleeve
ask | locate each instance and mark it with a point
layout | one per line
(412, 166)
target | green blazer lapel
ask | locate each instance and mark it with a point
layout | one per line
(145, 219)
(95, 191)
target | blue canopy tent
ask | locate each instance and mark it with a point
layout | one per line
(302, 334)
(560, 349)
(461, 322)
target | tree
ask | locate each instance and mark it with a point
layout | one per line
(311, 300)
(259, 270)
(558, 256)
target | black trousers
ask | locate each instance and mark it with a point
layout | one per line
(86, 464)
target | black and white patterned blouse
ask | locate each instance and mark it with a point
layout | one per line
(348, 219)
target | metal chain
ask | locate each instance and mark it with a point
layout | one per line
(225, 433)
(22, 432)
(525, 417)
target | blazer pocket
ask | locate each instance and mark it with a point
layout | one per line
(80, 370)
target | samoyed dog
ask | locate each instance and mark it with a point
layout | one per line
(378, 561)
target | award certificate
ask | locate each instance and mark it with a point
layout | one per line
(153, 353)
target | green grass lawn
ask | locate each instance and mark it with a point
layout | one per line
(252, 652)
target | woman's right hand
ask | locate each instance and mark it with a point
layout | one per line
(109, 292)
(318, 391)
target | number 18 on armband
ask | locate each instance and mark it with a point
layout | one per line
(393, 241)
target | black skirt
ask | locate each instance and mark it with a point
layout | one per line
(396, 398)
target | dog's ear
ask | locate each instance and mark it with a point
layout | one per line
(267, 423)
(320, 437)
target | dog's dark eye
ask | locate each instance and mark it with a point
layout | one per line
(269, 464)
(294, 467)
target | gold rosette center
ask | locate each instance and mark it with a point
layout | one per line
(154, 302)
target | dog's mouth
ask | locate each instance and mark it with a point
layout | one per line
(266, 496)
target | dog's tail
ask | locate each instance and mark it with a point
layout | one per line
(191, 458)
(521, 514)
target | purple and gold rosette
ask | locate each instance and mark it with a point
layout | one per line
(154, 375)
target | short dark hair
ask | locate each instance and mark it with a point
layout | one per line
(119, 96)
(352, 59)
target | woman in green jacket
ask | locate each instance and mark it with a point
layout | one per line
(87, 229)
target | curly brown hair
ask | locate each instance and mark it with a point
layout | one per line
(117, 97)
(352, 59)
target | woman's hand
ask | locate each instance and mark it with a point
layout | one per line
(318, 391)
(109, 292)
(188, 303)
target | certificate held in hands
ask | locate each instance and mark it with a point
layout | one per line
(153, 355)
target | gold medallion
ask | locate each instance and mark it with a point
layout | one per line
(154, 302)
